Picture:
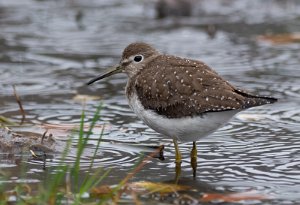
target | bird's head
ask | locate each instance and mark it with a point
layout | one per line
(134, 58)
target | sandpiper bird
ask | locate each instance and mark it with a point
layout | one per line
(181, 98)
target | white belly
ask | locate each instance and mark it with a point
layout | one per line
(184, 129)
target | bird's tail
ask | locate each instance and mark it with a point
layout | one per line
(255, 100)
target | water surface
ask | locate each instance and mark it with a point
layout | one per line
(50, 49)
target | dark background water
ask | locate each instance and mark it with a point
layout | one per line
(50, 49)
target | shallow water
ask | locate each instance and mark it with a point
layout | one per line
(50, 49)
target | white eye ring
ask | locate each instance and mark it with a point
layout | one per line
(138, 58)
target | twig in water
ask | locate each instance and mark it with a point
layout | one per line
(140, 166)
(43, 137)
(20, 105)
(135, 170)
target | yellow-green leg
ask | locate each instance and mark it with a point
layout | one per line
(194, 159)
(177, 161)
(177, 152)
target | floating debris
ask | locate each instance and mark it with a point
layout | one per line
(286, 38)
(15, 143)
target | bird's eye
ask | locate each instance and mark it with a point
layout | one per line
(138, 58)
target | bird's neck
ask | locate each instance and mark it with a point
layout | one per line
(130, 86)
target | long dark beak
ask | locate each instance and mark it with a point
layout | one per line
(112, 71)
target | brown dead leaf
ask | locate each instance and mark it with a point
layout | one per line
(281, 38)
(101, 191)
(232, 197)
(157, 187)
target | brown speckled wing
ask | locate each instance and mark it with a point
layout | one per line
(177, 87)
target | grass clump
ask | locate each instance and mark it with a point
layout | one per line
(64, 185)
